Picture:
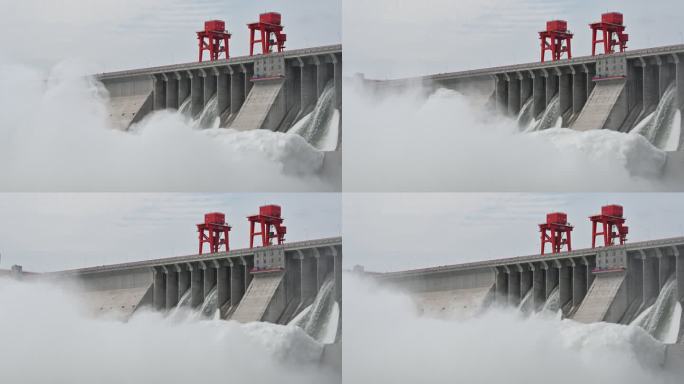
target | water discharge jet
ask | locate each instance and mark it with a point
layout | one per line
(145, 347)
(449, 350)
(420, 130)
(64, 140)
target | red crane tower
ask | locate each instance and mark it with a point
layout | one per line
(612, 31)
(268, 218)
(269, 26)
(612, 223)
(556, 231)
(215, 39)
(556, 39)
(211, 232)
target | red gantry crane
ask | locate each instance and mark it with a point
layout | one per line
(556, 231)
(611, 32)
(610, 224)
(214, 231)
(270, 225)
(270, 32)
(556, 39)
(214, 39)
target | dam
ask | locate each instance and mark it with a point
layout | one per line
(271, 91)
(300, 281)
(641, 283)
(636, 91)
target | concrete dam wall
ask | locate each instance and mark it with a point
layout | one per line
(271, 91)
(639, 283)
(272, 284)
(637, 91)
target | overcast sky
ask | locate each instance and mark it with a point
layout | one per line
(397, 38)
(45, 232)
(385, 232)
(119, 34)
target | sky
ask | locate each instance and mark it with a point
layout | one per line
(400, 38)
(122, 34)
(47, 232)
(388, 232)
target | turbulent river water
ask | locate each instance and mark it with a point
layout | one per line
(48, 336)
(493, 346)
(63, 140)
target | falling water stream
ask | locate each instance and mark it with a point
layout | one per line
(660, 127)
(662, 319)
(526, 304)
(209, 116)
(553, 301)
(184, 108)
(320, 128)
(550, 117)
(210, 305)
(320, 320)
(526, 117)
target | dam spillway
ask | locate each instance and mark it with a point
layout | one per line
(271, 91)
(272, 284)
(612, 284)
(616, 91)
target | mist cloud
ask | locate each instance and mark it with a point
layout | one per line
(54, 135)
(48, 337)
(386, 341)
(446, 141)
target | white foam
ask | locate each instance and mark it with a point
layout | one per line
(300, 316)
(300, 124)
(55, 135)
(46, 337)
(526, 304)
(672, 325)
(657, 127)
(643, 124)
(674, 136)
(328, 142)
(329, 332)
(446, 142)
(321, 127)
(642, 317)
(496, 346)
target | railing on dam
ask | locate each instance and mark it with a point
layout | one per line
(296, 53)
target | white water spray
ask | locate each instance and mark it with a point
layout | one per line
(659, 128)
(320, 319)
(526, 118)
(209, 307)
(445, 141)
(55, 135)
(321, 127)
(185, 107)
(552, 303)
(550, 117)
(527, 303)
(182, 310)
(209, 116)
(662, 319)
(47, 337)
(495, 346)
